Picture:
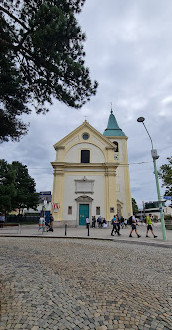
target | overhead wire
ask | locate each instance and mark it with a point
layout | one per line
(48, 168)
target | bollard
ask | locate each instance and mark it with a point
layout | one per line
(88, 226)
(65, 229)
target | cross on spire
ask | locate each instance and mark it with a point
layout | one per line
(111, 107)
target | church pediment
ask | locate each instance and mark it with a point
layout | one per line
(85, 133)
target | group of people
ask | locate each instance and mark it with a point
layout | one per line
(100, 222)
(116, 225)
(116, 222)
(46, 225)
(134, 225)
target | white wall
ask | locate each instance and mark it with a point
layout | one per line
(70, 195)
(74, 153)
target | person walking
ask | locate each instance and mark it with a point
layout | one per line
(93, 221)
(133, 227)
(41, 221)
(50, 224)
(115, 227)
(99, 221)
(125, 223)
(87, 222)
(149, 226)
(122, 222)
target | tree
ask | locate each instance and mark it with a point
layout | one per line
(7, 186)
(41, 57)
(17, 188)
(134, 206)
(165, 173)
(26, 196)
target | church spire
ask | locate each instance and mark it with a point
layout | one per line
(112, 127)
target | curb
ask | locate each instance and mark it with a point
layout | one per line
(132, 242)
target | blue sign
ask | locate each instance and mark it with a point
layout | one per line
(168, 197)
(45, 214)
(45, 193)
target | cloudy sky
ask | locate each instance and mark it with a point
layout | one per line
(129, 52)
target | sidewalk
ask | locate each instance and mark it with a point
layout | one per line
(94, 233)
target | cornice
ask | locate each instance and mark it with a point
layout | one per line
(64, 165)
(117, 137)
(59, 147)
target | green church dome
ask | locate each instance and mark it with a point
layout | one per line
(112, 127)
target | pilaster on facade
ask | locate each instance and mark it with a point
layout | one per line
(111, 169)
(58, 192)
(111, 200)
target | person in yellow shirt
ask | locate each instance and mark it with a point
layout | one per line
(149, 225)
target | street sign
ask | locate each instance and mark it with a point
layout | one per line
(168, 197)
(45, 193)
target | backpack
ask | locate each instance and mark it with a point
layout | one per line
(130, 220)
(113, 221)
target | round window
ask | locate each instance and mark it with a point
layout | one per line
(85, 136)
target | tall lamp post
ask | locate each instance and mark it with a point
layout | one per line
(155, 156)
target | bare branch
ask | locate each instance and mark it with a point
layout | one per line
(13, 17)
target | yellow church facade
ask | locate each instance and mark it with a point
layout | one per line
(91, 175)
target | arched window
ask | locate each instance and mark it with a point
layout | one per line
(116, 146)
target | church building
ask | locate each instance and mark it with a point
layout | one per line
(91, 174)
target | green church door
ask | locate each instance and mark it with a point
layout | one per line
(83, 214)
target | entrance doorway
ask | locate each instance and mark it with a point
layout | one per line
(119, 210)
(83, 214)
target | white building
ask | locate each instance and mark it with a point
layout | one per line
(91, 175)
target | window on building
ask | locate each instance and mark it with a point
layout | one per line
(69, 209)
(116, 146)
(111, 209)
(97, 210)
(85, 136)
(85, 156)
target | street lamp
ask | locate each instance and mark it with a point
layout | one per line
(155, 156)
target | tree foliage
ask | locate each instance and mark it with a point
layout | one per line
(42, 57)
(26, 196)
(7, 186)
(134, 206)
(165, 173)
(17, 188)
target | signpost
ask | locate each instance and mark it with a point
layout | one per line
(168, 198)
(45, 193)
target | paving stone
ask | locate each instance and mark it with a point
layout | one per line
(71, 284)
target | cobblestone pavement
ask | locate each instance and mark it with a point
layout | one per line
(84, 284)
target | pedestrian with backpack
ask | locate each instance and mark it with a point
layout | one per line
(115, 228)
(134, 223)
